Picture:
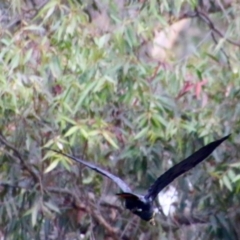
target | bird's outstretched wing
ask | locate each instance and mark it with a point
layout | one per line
(181, 168)
(124, 187)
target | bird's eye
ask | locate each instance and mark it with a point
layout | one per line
(139, 210)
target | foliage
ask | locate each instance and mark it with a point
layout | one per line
(67, 83)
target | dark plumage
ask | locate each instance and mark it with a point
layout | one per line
(142, 205)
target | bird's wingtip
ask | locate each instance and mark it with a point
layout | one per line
(226, 137)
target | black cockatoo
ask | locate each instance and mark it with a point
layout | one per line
(142, 205)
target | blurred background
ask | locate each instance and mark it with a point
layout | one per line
(134, 86)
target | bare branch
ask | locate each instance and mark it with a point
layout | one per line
(17, 156)
(89, 209)
(208, 21)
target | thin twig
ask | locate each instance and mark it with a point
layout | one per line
(17, 156)
(89, 209)
(18, 19)
(208, 21)
(213, 30)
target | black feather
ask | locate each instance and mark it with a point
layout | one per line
(124, 187)
(181, 168)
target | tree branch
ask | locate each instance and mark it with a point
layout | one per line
(17, 156)
(210, 24)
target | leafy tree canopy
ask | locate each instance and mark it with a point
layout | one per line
(134, 86)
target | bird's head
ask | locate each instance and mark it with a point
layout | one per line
(138, 205)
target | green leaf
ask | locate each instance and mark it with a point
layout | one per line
(52, 166)
(84, 133)
(142, 133)
(109, 139)
(231, 175)
(15, 61)
(89, 179)
(86, 91)
(227, 182)
(50, 6)
(28, 56)
(55, 67)
(236, 165)
(71, 131)
(34, 212)
(66, 162)
(237, 178)
(52, 207)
